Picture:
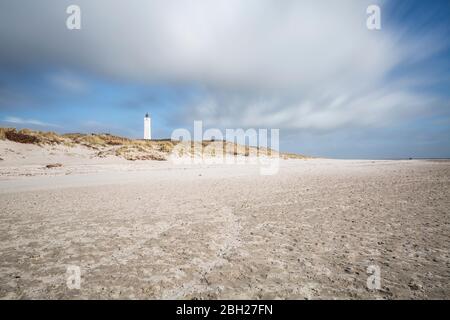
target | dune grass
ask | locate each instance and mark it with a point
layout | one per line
(111, 145)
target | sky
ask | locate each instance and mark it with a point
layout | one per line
(311, 69)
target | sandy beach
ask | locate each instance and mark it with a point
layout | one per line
(156, 230)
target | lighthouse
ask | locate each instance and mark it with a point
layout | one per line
(147, 127)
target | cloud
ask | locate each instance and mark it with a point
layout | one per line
(21, 121)
(67, 82)
(297, 65)
(319, 112)
(255, 44)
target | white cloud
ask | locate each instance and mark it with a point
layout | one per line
(67, 81)
(296, 64)
(17, 120)
(325, 112)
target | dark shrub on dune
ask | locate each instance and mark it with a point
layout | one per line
(21, 137)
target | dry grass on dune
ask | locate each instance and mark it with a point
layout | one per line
(109, 145)
(32, 137)
(293, 156)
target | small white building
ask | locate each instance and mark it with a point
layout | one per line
(147, 127)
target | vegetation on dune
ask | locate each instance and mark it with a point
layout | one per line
(20, 137)
(109, 145)
(293, 156)
(3, 132)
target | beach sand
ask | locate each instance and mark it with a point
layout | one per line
(156, 230)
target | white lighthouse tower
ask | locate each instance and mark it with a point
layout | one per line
(147, 127)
